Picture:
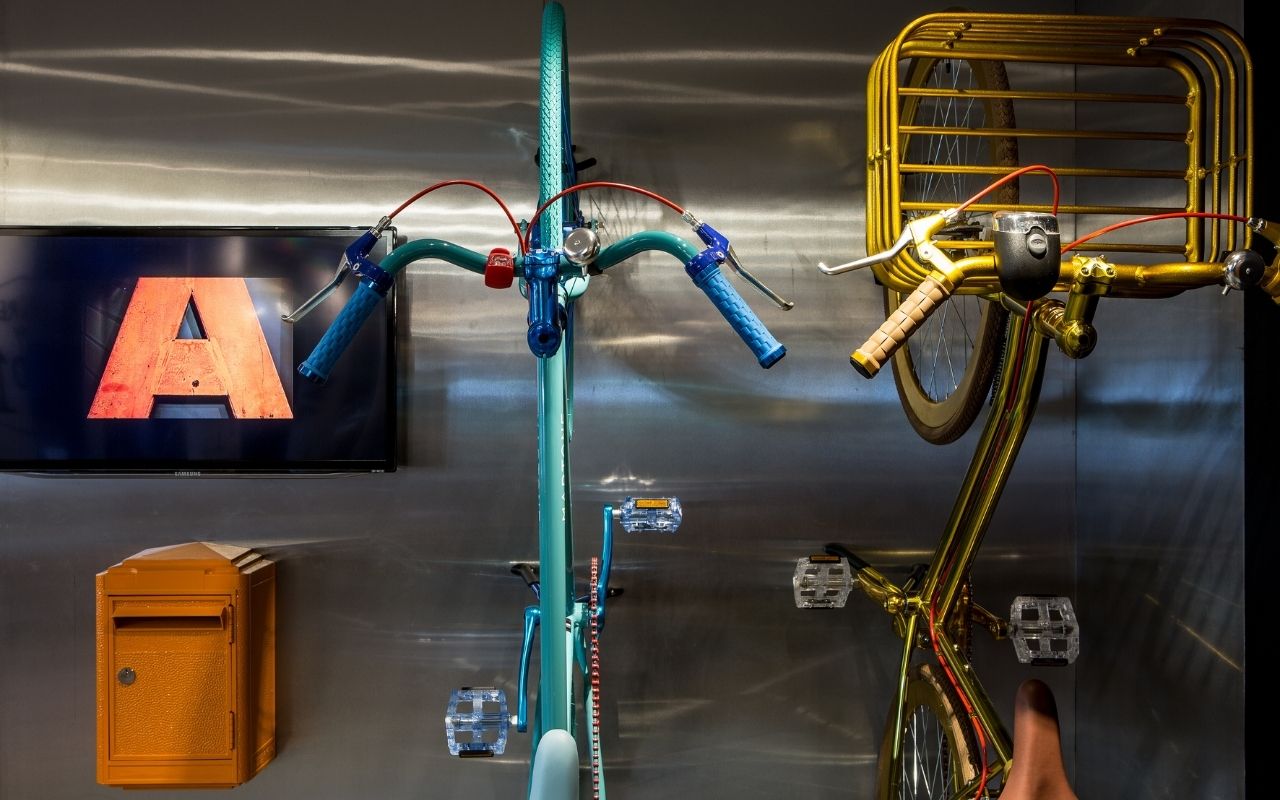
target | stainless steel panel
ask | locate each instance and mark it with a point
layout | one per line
(1160, 690)
(394, 587)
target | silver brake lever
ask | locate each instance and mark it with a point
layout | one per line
(905, 239)
(319, 297)
(732, 258)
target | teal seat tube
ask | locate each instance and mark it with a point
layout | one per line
(553, 543)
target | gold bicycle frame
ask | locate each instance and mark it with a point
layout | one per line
(988, 473)
(1210, 62)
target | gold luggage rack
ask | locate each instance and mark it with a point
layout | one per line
(941, 125)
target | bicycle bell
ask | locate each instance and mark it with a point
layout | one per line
(581, 246)
(1028, 247)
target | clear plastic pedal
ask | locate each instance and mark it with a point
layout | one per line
(822, 581)
(477, 721)
(1044, 630)
(657, 514)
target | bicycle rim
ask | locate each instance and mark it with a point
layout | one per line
(938, 752)
(944, 372)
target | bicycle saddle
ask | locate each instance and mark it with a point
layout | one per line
(1037, 772)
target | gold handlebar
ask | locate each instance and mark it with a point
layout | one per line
(977, 274)
(1085, 279)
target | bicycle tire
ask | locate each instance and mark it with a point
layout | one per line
(941, 417)
(939, 754)
(554, 136)
(552, 128)
(555, 152)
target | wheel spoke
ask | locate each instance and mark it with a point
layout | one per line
(947, 344)
(926, 772)
(947, 368)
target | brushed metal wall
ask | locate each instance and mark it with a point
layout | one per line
(394, 588)
(1160, 537)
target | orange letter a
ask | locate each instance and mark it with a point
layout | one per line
(149, 361)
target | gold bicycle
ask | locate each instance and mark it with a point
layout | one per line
(1143, 110)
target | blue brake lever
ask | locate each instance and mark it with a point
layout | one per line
(355, 259)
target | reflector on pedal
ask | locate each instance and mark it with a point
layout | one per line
(1044, 630)
(643, 514)
(822, 582)
(476, 721)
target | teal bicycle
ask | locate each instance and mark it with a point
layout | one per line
(557, 253)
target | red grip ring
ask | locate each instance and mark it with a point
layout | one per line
(500, 269)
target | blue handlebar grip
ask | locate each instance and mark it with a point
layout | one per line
(768, 350)
(340, 333)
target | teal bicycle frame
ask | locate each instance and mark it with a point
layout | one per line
(554, 767)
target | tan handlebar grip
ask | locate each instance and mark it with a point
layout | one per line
(872, 355)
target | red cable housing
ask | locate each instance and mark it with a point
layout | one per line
(1152, 218)
(598, 185)
(1057, 189)
(475, 185)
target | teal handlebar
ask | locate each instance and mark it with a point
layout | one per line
(638, 243)
(419, 249)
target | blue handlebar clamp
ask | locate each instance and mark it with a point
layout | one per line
(713, 256)
(546, 328)
(357, 258)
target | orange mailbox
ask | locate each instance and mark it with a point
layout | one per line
(186, 667)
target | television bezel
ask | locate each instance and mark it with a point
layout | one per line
(106, 467)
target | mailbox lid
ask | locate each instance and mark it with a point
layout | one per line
(191, 568)
(200, 555)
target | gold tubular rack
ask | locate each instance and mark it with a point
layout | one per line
(1176, 135)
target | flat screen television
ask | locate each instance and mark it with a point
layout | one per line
(162, 350)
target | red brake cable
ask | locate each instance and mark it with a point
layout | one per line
(598, 185)
(475, 185)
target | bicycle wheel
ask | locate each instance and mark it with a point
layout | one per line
(938, 751)
(944, 373)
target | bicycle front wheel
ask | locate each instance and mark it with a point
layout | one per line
(938, 752)
(944, 373)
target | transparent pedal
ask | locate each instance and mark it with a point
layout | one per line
(1044, 630)
(651, 514)
(476, 722)
(822, 581)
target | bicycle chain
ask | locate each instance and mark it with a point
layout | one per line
(592, 604)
